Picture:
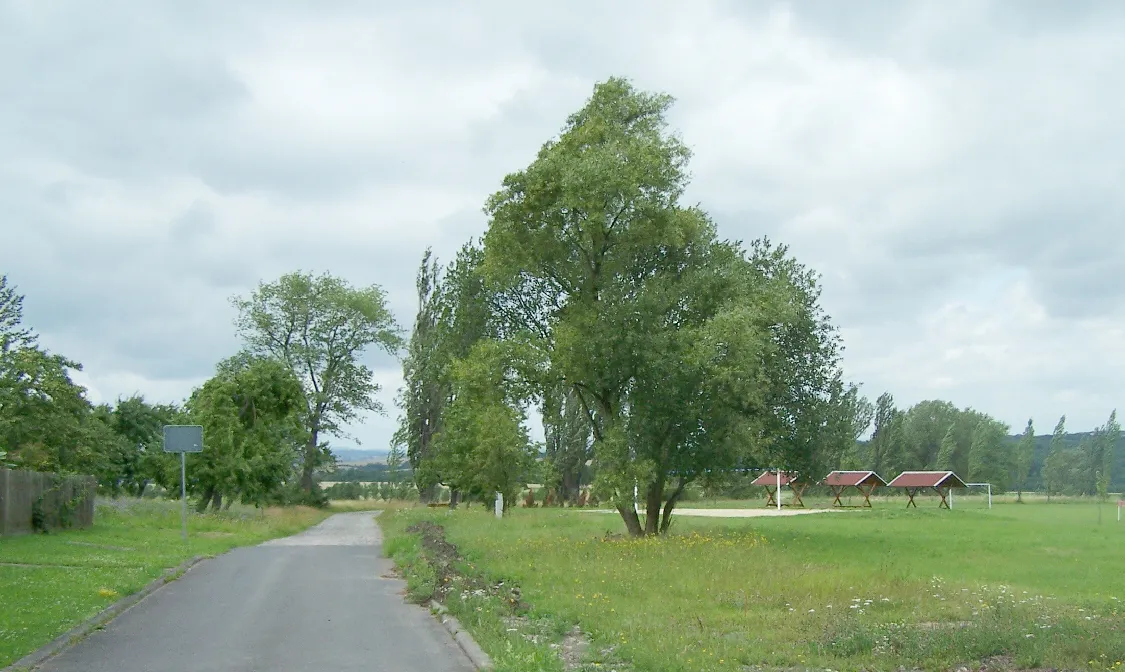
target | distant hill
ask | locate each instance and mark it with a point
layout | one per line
(359, 455)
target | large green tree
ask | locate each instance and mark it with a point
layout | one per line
(252, 413)
(676, 345)
(319, 327)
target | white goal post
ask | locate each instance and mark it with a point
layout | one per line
(975, 485)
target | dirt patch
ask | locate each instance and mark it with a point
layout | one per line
(573, 649)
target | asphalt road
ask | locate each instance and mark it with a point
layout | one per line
(316, 601)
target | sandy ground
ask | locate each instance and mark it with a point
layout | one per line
(737, 513)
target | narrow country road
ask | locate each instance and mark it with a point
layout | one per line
(316, 601)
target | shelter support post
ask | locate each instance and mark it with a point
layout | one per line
(910, 492)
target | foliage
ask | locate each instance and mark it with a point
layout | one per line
(1053, 469)
(251, 413)
(319, 326)
(483, 446)
(425, 389)
(455, 311)
(986, 455)
(1025, 454)
(688, 355)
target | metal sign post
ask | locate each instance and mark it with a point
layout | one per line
(183, 439)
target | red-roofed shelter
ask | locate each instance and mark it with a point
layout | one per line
(864, 481)
(915, 481)
(788, 478)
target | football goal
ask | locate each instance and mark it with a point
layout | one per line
(975, 495)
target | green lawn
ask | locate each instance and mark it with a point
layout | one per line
(1022, 586)
(51, 582)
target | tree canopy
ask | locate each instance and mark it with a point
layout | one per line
(319, 326)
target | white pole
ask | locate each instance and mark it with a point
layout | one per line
(989, 495)
(499, 505)
(1119, 503)
(778, 489)
(951, 499)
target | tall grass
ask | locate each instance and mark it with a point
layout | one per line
(1021, 585)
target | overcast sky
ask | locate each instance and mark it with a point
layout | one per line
(954, 170)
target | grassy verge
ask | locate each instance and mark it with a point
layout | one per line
(52, 582)
(517, 637)
(1015, 587)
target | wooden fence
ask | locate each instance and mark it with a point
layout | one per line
(30, 500)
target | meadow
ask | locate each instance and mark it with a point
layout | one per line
(1018, 586)
(51, 582)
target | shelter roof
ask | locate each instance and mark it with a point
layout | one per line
(927, 479)
(846, 478)
(770, 478)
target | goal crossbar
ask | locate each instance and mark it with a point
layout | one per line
(979, 485)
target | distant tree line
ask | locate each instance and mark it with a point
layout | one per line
(264, 412)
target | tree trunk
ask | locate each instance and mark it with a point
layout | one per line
(632, 522)
(653, 498)
(569, 485)
(669, 506)
(310, 460)
(428, 494)
(454, 498)
(217, 501)
(202, 505)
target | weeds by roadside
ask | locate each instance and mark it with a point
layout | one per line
(507, 628)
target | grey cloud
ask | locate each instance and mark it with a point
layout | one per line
(1018, 168)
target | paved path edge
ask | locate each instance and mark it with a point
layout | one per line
(469, 645)
(72, 636)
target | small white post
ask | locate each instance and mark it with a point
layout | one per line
(989, 495)
(636, 493)
(951, 499)
(499, 505)
(779, 490)
(1120, 502)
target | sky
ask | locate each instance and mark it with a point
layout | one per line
(954, 170)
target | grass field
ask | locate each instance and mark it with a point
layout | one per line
(1018, 587)
(50, 583)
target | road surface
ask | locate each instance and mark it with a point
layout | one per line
(318, 601)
